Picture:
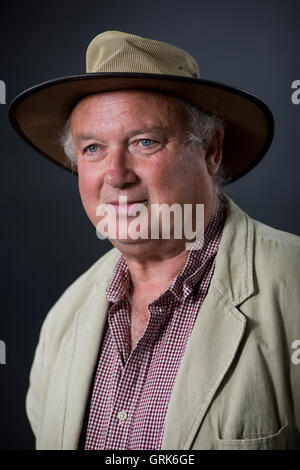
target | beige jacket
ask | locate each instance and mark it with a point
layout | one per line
(238, 386)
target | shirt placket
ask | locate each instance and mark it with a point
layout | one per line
(132, 377)
(125, 402)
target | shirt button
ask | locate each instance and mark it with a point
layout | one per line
(122, 416)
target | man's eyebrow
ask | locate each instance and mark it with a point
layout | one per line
(159, 129)
(86, 137)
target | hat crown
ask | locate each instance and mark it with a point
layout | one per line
(115, 51)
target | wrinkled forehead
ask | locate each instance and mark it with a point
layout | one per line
(143, 101)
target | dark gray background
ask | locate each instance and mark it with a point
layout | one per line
(47, 240)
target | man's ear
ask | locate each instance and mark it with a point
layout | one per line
(213, 156)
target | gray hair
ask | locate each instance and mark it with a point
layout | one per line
(67, 143)
(200, 124)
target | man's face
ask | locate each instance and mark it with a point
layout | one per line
(131, 143)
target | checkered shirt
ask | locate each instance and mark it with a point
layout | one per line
(131, 390)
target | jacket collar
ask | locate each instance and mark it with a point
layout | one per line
(233, 276)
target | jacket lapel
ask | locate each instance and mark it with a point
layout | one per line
(216, 335)
(90, 323)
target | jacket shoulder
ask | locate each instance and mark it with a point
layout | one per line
(276, 254)
(270, 234)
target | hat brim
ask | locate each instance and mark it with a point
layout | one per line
(39, 113)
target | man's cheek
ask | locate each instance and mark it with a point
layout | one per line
(89, 199)
(87, 187)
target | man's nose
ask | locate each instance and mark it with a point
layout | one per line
(118, 171)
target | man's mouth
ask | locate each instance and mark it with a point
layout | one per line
(128, 203)
(125, 205)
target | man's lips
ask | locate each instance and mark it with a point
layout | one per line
(128, 203)
(125, 207)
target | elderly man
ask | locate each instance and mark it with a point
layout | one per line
(163, 344)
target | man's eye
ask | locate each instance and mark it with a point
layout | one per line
(92, 148)
(145, 146)
(146, 142)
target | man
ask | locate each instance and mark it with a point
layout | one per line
(163, 344)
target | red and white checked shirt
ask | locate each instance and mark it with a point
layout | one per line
(131, 390)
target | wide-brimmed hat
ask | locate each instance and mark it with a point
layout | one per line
(120, 61)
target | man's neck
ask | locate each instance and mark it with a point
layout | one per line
(149, 281)
(154, 275)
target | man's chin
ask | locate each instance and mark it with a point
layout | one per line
(145, 249)
(129, 241)
(136, 248)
